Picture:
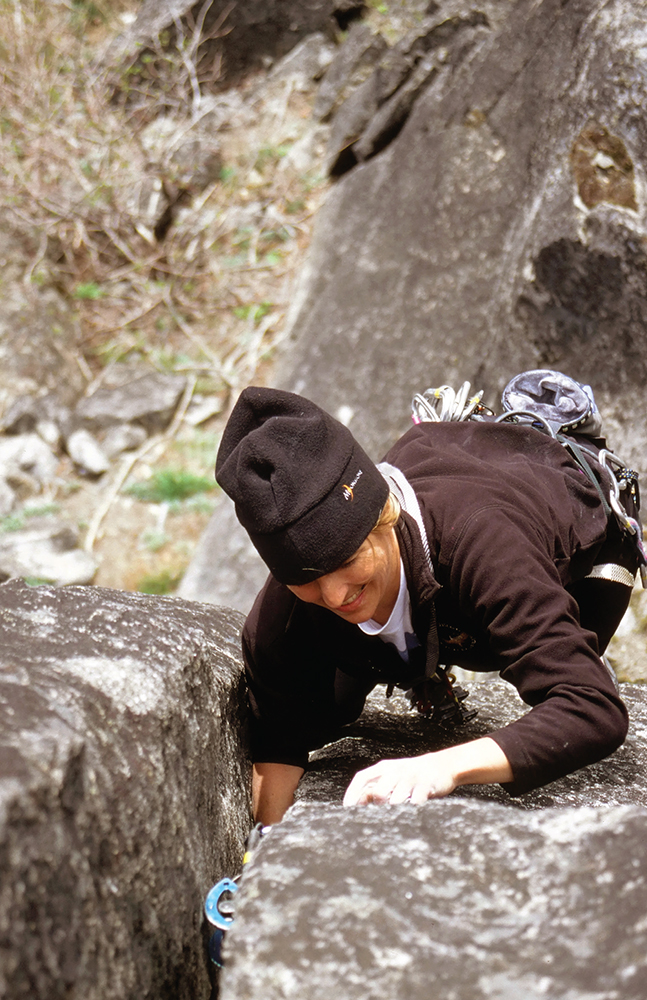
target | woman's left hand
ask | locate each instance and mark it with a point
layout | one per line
(412, 779)
(430, 776)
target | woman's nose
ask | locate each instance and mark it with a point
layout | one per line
(333, 590)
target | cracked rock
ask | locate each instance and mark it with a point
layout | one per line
(123, 790)
(122, 437)
(352, 63)
(477, 895)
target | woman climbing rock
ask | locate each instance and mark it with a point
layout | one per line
(476, 543)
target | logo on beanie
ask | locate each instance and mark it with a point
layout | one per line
(347, 491)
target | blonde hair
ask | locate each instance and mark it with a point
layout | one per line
(390, 513)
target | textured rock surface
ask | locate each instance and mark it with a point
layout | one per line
(454, 900)
(25, 458)
(389, 729)
(501, 230)
(628, 648)
(86, 453)
(374, 113)
(473, 897)
(39, 331)
(353, 60)
(123, 792)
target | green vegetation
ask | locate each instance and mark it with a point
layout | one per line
(17, 521)
(270, 155)
(164, 582)
(78, 143)
(88, 168)
(253, 311)
(168, 485)
(200, 450)
(12, 522)
(154, 540)
(90, 291)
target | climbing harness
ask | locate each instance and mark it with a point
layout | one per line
(219, 904)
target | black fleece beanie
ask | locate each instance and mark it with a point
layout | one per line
(305, 491)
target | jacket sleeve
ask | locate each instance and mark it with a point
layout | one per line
(532, 623)
(290, 680)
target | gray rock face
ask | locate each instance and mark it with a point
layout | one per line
(150, 400)
(29, 413)
(477, 896)
(501, 230)
(237, 574)
(86, 453)
(122, 437)
(123, 790)
(353, 61)
(25, 458)
(39, 331)
(47, 552)
(306, 61)
(376, 111)
(389, 729)
(452, 899)
(27, 463)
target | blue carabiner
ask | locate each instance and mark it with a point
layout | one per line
(211, 908)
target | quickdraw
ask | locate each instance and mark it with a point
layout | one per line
(444, 403)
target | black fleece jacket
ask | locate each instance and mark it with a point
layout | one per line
(511, 522)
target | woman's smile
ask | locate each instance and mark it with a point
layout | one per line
(365, 586)
(348, 604)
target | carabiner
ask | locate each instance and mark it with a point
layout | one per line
(212, 908)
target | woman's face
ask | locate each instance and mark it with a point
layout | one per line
(365, 586)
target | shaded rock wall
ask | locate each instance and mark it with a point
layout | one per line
(501, 229)
(477, 896)
(243, 34)
(123, 789)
